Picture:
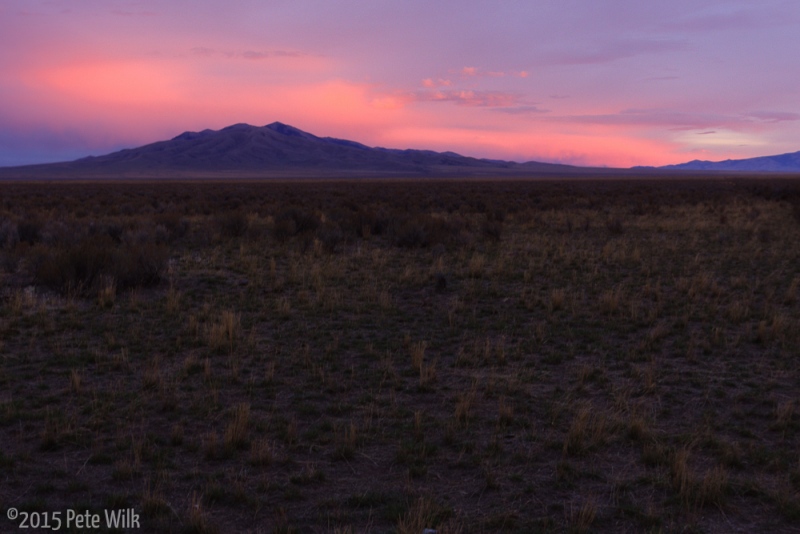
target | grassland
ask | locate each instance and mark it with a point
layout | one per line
(477, 356)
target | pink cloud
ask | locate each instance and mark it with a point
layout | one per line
(255, 55)
(430, 83)
(466, 98)
(475, 72)
(774, 116)
(123, 13)
(522, 110)
(681, 120)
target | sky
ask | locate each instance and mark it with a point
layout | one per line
(586, 82)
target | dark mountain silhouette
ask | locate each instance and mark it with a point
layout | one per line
(276, 149)
(782, 163)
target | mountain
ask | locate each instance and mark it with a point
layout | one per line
(273, 150)
(781, 163)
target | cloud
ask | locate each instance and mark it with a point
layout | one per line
(523, 110)
(725, 17)
(103, 83)
(254, 55)
(430, 83)
(466, 98)
(681, 120)
(774, 116)
(475, 72)
(469, 98)
(596, 53)
(250, 54)
(203, 51)
(707, 133)
(123, 13)
(661, 78)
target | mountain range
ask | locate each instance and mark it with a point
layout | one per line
(280, 150)
(788, 163)
(276, 149)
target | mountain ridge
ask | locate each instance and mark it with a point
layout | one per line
(277, 148)
(788, 163)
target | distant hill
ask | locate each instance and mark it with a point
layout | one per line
(789, 163)
(273, 150)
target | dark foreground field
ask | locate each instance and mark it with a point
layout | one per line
(392, 356)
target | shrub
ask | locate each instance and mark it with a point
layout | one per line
(423, 231)
(111, 228)
(232, 223)
(9, 236)
(366, 223)
(410, 233)
(304, 220)
(284, 229)
(139, 265)
(295, 221)
(614, 225)
(9, 260)
(72, 268)
(176, 226)
(331, 236)
(493, 230)
(59, 232)
(81, 267)
(29, 230)
(796, 208)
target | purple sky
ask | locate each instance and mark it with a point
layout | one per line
(589, 82)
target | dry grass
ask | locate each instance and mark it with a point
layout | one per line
(425, 514)
(261, 453)
(197, 521)
(557, 299)
(347, 439)
(224, 333)
(582, 518)
(75, 381)
(532, 356)
(237, 430)
(417, 351)
(464, 405)
(107, 293)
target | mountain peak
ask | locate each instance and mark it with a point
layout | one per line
(285, 129)
(189, 136)
(238, 127)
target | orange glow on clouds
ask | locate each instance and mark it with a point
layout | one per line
(113, 83)
(580, 149)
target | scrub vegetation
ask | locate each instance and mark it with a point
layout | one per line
(390, 356)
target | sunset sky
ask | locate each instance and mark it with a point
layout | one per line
(587, 82)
